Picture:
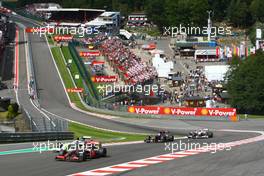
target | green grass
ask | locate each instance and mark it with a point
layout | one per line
(65, 76)
(50, 39)
(73, 68)
(3, 116)
(103, 135)
(242, 116)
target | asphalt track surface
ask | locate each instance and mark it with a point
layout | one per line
(242, 160)
(44, 163)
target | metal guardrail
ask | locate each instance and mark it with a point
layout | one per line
(35, 136)
(29, 121)
(41, 124)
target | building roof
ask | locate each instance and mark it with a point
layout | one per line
(70, 10)
(108, 14)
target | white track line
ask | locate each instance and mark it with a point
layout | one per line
(16, 68)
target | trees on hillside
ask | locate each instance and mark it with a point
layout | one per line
(246, 84)
(256, 9)
(239, 14)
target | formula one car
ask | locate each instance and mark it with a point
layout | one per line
(71, 152)
(162, 136)
(81, 150)
(201, 134)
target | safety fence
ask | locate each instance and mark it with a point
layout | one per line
(43, 124)
(35, 136)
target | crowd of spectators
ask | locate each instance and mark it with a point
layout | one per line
(127, 63)
(93, 40)
(197, 79)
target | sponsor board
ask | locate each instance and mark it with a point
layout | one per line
(75, 90)
(98, 62)
(185, 111)
(104, 79)
(63, 37)
(89, 53)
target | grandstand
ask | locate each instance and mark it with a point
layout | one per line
(70, 16)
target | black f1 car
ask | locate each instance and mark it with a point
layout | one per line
(162, 136)
(201, 134)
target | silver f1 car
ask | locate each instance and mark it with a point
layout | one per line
(201, 134)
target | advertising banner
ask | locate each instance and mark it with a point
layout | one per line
(89, 53)
(63, 37)
(185, 111)
(101, 79)
(75, 90)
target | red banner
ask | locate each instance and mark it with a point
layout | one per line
(183, 111)
(98, 62)
(63, 37)
(36, 30)
(100, 79)
(75, 90)
(89, 54)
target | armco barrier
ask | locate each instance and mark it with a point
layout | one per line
(29, 136)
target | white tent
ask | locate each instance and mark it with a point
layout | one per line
(163, 68)
(215, 72)
(125, 33)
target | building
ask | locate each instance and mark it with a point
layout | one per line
(207, 55)
(108, 21)
(188, 46)
(70, 16)
(137, 19)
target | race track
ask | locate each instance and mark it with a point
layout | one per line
(246, 160)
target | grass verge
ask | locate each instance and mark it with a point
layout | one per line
(50, 39)
(3, 116)
(249, 116)
(65, 76)
(103, 135)
(73, 67)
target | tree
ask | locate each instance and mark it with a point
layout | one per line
(246, 84)
(155, 10)
(256, 9)
(239, 14)
(219, 8)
